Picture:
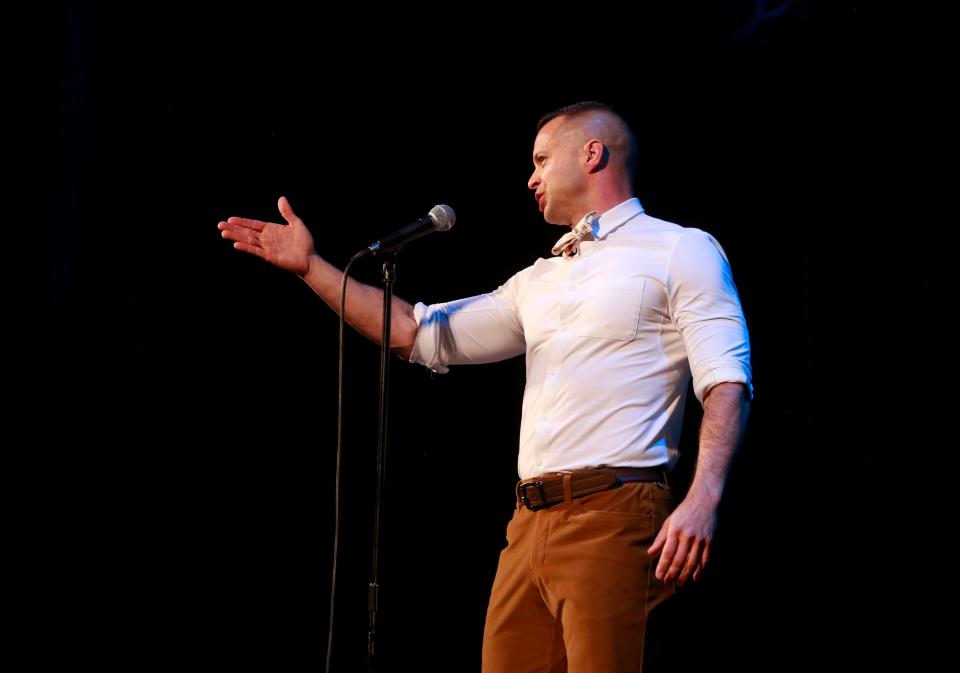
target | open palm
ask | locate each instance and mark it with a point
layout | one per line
(287, 246)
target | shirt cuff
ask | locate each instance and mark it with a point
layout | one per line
(725, 374)
(426, 349)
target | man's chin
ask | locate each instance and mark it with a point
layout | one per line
(551, 218)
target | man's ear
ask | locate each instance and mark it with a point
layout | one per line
(595, 155)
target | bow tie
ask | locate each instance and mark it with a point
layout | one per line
(569, 243)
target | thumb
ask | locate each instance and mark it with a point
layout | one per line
(284, 206)
(658, 542)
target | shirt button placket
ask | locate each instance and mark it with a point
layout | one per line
(554, 357)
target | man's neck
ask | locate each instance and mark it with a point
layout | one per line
(609, 195)
(603, 202)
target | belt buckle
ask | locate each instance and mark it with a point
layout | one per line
(525, 499)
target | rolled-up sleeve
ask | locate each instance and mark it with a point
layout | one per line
(706, 311)
(474, 330)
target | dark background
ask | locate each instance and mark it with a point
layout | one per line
(174, 487)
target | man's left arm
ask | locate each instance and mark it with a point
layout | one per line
(687, 533)
(706, 310)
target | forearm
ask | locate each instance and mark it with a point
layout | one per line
(364, 306)
(725, 412)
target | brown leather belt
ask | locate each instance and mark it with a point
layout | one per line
(556, 487)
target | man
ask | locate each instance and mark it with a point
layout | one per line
(613, 327)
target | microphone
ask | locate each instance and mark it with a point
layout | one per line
(440, 218)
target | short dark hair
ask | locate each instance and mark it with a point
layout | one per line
(575, 110)
(582, 108)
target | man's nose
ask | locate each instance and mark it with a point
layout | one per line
(533, 181)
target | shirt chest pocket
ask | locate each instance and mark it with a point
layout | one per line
(611, 310)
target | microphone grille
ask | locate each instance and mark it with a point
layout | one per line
(443, 217)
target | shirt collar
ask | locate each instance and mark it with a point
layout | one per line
(614, 217)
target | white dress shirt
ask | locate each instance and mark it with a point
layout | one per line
(611, 335)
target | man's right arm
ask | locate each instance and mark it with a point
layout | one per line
(483, 328)
(364, 306)
(290, 247)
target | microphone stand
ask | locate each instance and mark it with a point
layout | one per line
(373, 593)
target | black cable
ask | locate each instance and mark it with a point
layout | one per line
(336, 487)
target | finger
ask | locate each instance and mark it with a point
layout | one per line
(259, 252)
(666, 558)
(287, 211)
(242, 235)
(692, 563)
(256, 225)
(678, 560)
(226, 226)
(704, 557)
(658, 542)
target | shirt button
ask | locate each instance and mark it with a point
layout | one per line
(553, 372)
(563, 328)
(572, 288)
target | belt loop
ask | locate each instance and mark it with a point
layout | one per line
(666, 482)
(567, 488)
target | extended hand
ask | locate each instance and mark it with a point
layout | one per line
(287, 246)
(685, 538)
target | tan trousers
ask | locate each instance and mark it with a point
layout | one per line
(575, 585)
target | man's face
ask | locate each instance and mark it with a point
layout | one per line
(558, 179)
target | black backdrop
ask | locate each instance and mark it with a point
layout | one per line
(181, 397)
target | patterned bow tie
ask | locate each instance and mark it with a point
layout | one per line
(569, 243)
